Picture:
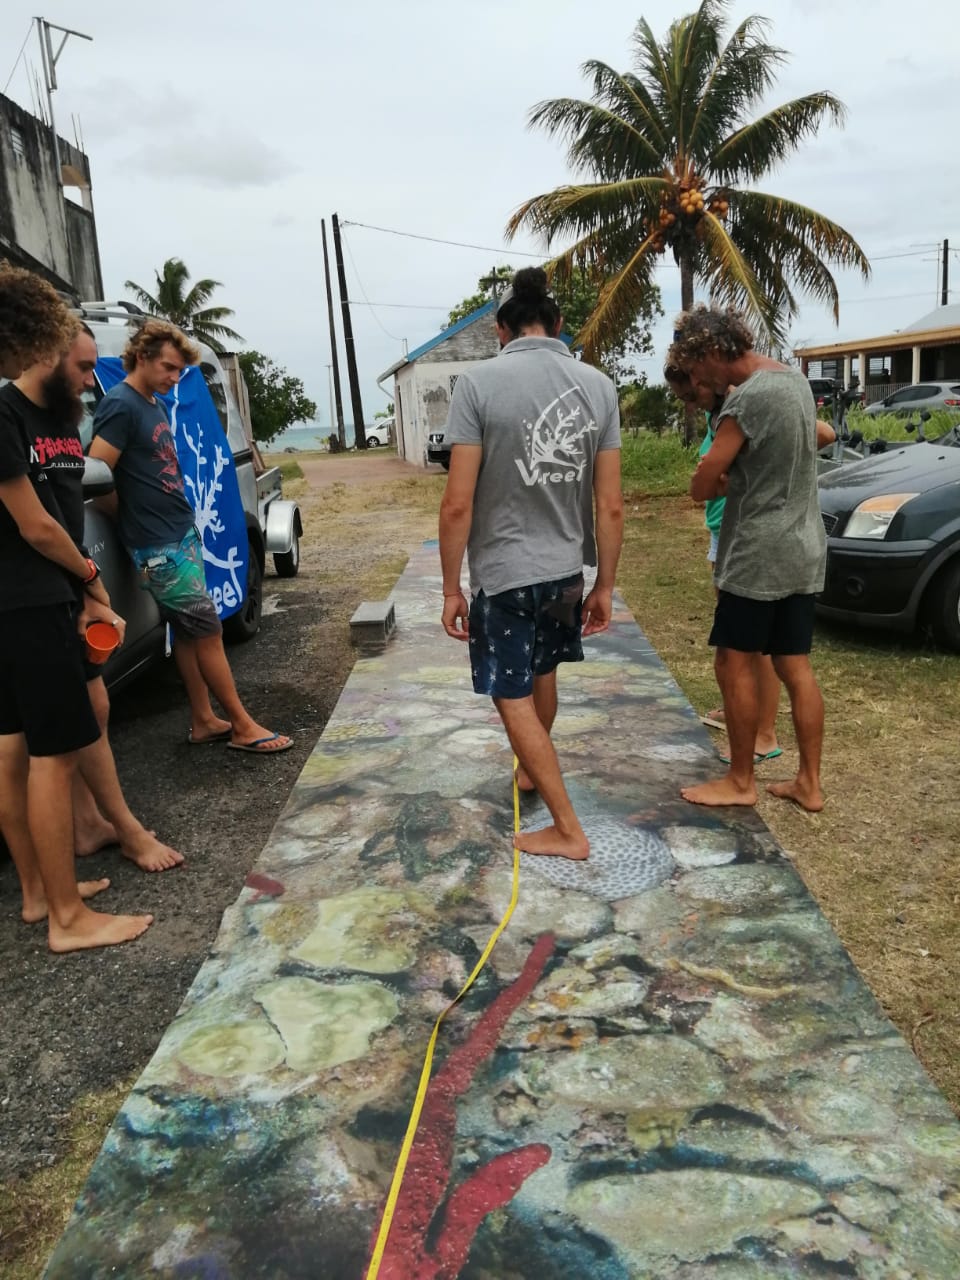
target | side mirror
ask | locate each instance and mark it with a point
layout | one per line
(97, 478)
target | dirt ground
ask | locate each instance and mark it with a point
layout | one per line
(78, 1029)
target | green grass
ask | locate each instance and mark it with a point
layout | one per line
(290, 469)
(657, 465)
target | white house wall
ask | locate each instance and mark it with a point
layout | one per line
(423, 394)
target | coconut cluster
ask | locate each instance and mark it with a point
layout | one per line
(682, 209)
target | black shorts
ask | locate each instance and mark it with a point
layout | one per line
(516, 635)
(43, 680)
(781, 628)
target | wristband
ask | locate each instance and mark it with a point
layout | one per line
(94, 572)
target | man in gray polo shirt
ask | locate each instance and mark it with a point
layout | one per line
(535, 438)
(772, 553)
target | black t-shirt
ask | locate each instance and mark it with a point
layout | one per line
(152, 510)
(32, 444)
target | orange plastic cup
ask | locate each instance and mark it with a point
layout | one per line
(102, 639)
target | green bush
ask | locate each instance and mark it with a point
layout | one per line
(657, 465)
(891, 427)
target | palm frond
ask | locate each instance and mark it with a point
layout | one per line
(758, 147)
(744, 71)
(599, 139)
(143, 299)
(580, 208)
(733, 281)
(199, 295)
(627, 95)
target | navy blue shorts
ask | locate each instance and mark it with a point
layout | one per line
(516, 635)
(779, 627)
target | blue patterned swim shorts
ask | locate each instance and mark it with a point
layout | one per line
(173, 574)
(516, 635)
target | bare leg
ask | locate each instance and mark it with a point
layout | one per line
(215, 670)
(98, 771)
(736, 677)
(14, 767)
(806, 706)
(204, 721)
(768, 702)
(533, 748)
(545, 703)
(71, 925)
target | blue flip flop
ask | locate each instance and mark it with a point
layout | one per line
(259, 746)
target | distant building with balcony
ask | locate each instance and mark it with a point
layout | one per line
(40, 228)
(926, 351)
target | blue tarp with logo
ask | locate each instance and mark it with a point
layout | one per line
(209, 478)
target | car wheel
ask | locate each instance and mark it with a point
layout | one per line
(943, 608)
(445, 463)
(245, 623)
(287, 563)
(372, 443)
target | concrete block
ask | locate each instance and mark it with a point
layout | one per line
(372, 625)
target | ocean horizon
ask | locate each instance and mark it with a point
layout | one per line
(305, 438)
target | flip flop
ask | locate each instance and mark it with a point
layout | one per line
(205, 742)
(758, 756)
(259, 746)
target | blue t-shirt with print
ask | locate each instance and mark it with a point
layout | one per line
(153, 508)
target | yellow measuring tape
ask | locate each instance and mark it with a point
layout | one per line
(387, 1221)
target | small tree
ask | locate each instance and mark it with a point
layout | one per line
(277, 398)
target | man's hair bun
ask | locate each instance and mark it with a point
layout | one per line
(530, 285)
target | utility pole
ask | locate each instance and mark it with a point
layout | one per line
(359, 435)
(944, 291)
(341, 431)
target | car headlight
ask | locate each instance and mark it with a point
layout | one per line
(872, 518)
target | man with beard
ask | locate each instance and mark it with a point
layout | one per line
(45, 712)
(51, 426)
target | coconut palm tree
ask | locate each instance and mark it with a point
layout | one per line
(672, 153)
(188, 310)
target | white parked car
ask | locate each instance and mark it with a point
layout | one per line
(379, 433)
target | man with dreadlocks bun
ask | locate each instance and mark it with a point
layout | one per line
(535, 438)
(771, 555)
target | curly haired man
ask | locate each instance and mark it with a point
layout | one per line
(772, 548)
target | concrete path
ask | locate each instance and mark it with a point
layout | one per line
(669, 1069)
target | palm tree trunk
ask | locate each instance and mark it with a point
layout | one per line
(686, 302)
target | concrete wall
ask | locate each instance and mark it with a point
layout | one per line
(422, 390)
(422, 395)
(38, 229)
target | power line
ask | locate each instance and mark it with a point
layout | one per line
(16, 63)
(457, 244)
(344, 240)
(406, 306)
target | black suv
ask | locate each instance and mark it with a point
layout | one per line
(437, 451)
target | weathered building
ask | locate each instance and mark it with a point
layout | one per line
(424, 379)
(39, 227)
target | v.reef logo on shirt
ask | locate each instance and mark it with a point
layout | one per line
(555, 446)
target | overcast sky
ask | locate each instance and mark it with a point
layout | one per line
(222, 133)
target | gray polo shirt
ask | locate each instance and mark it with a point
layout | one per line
(772, 542)
(540, 417)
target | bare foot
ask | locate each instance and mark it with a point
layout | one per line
(524, 781)
(721, 791)
(208, 731)
(37, 910)
(90, 929)
(149, 853)
(807, 795)
(93, 838)
(549, 841)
